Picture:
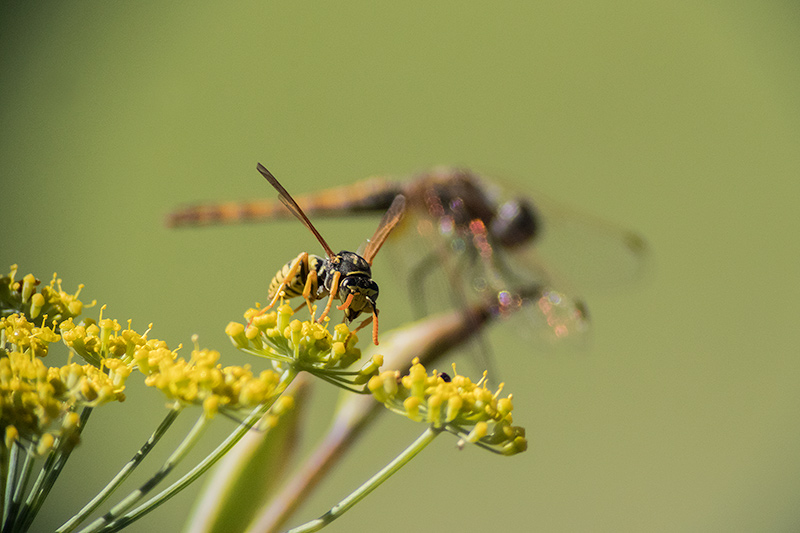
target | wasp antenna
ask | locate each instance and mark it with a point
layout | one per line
(375, 327)
(346, 303)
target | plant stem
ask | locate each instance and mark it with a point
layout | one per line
(123, 474)
(118, 523)
(9, 505)
(131, 499)
(47, 477)
(374, 482)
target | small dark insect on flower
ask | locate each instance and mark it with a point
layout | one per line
(444, 377)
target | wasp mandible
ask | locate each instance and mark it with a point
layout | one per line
(345, 276)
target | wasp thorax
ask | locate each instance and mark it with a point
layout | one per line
(351, 263)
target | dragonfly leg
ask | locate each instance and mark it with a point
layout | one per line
(416, 284)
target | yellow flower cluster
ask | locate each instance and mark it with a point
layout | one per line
(39, 403)
(303, 346)
(103, 343)
(201, 381)
(21, 297)
(455, 404)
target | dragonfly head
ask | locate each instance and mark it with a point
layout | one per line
(515, 224)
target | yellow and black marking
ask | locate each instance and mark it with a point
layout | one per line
(294, 287)
(345, 276)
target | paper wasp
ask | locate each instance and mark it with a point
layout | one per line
(346, 276)
(483, 238)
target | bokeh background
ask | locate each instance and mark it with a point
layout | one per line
(679, 119)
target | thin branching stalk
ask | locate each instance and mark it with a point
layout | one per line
(4, 471)
(116, 522)
(123, 474)
(374, 482)
(24, 476)
(172, 461)
(47, 477)
(20, 481)
(9, 503)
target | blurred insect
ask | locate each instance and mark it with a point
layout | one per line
(346, 276)
(484, 240)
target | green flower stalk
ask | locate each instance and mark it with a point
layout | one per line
(456, 405)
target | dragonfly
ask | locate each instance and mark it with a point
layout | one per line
(484, 238)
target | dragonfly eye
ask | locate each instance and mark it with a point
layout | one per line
(516, 223)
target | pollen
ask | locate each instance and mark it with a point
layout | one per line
(26, 298)
(39, 403)
(201, 380)
(303, 345)
(469, 410)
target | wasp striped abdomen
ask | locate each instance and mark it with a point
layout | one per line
(295, 285)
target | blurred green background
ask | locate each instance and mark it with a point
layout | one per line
(679, 119)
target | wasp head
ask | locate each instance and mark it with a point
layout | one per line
(364, 291)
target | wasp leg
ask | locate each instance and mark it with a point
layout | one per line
(299, 260)
(302, 257)
(374, 320)
(334, 291)
(311, 281)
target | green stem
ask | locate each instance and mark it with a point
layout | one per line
(47, 477)
(197, 471)
(9, 506)
(361, 492)
(20, 483)
(131, 499)
(4, 470)
(123, 474)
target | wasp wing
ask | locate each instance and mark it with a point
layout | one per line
(386, 225)
(290, 204)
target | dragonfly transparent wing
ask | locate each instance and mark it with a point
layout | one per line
(581, 252)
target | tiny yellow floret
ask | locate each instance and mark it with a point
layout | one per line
(303, 345)
(469, 410)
